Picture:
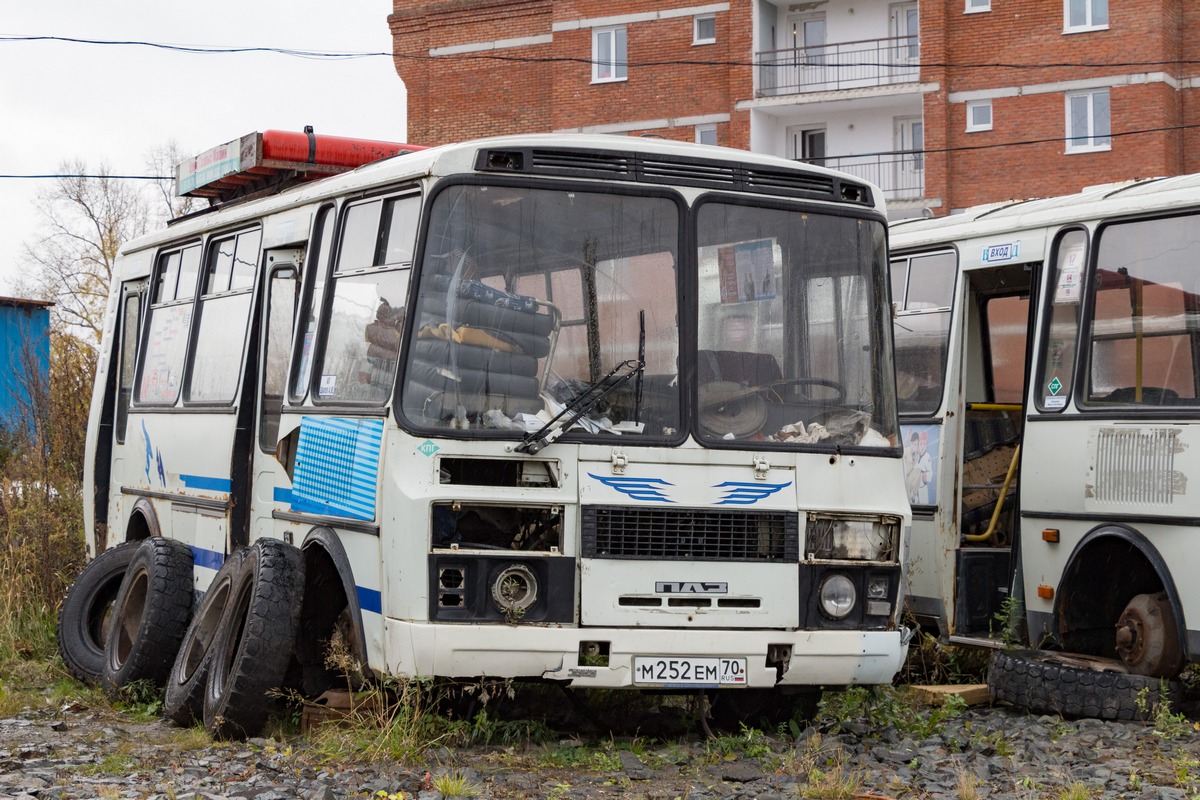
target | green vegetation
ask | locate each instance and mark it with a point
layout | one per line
(883, 706)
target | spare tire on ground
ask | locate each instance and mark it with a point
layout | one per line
(83, 618)
(150, 615)
(1074, 685)
(184, 702)
(254, 645)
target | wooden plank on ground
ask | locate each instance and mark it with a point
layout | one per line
(973, 694)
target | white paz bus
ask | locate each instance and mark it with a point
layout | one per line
(601, 411)
(1048, 380)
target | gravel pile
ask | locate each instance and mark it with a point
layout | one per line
(984, 753)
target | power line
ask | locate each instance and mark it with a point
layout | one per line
(820, 61)
(195, 49)
(66, 176)
(906, 153)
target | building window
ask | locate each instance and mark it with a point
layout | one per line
(1088, 122)
(807, 144)
(975, 6)
(979, 115)
(706, 134)
(1084, 15)
(608, 54)
(704, 29)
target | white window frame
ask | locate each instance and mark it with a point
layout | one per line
(696, 37)
(703, 129)
(972, 126)
(604, 55)
(977, 6)
(1090, 12)
(1075, 141)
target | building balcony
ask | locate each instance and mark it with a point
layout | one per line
(900, 174)
(834, 67)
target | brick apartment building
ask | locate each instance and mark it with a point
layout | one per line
(943, 103)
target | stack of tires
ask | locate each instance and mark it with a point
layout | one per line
(129, 618)
(478, 348)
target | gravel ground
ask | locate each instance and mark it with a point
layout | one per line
(987, 752)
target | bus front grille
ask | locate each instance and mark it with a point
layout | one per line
(690, 534)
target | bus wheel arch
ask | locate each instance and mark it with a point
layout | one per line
(1116, 599)
(143, 522)
(330, 607)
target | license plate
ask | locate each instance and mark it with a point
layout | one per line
(664, 671)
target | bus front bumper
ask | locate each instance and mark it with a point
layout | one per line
(817, 658)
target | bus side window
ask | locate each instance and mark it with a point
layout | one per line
(368, 292)
(1055, 375)
(281, 313)
(224, 310)
(1007, 323)
(130, 315)
(320, 248)
(167, 325)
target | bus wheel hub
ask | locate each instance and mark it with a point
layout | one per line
(1146, 637)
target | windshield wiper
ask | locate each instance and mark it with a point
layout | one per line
(579, 405)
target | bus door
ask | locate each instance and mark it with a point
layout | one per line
(114, 440)
(995, 329)
(281, 287)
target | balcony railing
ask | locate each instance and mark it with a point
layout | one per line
(901, 175)
(846, 65)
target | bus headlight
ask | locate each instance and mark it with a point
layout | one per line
(844, 538)
(837, 595)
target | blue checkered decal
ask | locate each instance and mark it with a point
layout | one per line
(337, 467)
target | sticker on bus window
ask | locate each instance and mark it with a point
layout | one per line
(1069, 276)
(747, 271)
(328, 386)
(1050, 402)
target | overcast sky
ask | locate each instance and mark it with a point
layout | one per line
(106, 103)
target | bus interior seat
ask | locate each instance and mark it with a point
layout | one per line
(735, 366)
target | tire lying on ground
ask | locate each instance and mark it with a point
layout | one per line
(83, 618)
(1075, 686)
(254, 645)
(184, 702)
(149, 616)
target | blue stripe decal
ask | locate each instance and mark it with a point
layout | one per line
(283, 495)
(207, 558)
(337, 467)
(206, 483)
(369, 600)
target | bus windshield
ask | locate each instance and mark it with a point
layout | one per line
(792, 306)
(529, 299)
(535, 302)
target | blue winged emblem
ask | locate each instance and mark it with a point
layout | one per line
(637, 488)
(747, 494)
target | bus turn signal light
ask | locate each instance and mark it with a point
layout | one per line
(1050, 535)
(1046, 592)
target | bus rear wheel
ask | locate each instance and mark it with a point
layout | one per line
(150, 615)
(86, 609)
(254, 646)
(1148, 638)
(184, 701)
(1074, 685)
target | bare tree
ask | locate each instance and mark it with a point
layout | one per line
(162, 160)
(86, 219)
